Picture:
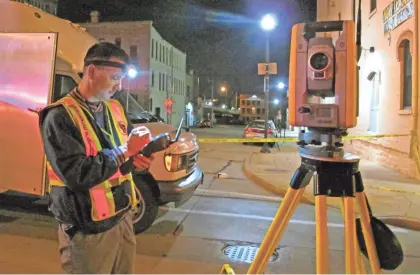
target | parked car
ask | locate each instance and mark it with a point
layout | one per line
(256, 129)
(205, 123)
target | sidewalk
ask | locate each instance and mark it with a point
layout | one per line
(394, 198)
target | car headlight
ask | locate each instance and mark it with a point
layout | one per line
(174, 163)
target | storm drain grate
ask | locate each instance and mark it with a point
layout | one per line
(245, 253)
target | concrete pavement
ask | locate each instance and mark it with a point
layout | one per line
(394, 198)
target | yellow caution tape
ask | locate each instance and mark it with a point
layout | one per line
(261, 140)
(392, 190)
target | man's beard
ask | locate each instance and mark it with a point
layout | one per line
(102, 96)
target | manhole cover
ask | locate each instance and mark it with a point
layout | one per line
(245, 253)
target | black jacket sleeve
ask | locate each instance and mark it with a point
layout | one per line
(65, 150)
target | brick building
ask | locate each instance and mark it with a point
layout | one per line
(161, 66)
(388, 97)
(251, 107)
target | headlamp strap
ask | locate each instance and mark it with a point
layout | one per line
(121, 66)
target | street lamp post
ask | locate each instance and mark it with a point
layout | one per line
(268, 23)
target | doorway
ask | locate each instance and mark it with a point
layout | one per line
(374, 104)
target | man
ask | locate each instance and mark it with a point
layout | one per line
(86, 144)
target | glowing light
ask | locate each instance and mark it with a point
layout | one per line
(276, 101)
(132, 73)
(268, 22)
(223, 89)
(223, 106)
(281, 85)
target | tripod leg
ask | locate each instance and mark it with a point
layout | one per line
(367, 233)
(350, 235)
(322, 257)
(276, 230)
(360, 264)
(283, 227)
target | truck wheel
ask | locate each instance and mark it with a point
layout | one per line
(146, 211)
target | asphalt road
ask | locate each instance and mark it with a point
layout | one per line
(228, 212)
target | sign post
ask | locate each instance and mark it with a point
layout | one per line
(266, 69)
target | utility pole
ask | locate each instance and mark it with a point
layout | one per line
(211, 100)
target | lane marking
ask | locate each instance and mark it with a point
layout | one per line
(263, 218)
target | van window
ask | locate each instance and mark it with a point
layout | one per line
(135, 112)
(63, 84)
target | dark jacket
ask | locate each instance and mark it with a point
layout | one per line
(65, 150)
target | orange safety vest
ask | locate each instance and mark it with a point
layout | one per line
(102, 198)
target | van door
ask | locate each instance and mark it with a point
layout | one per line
(26, 80)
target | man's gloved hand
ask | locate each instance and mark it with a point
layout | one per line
(137, 140)
(141, 162)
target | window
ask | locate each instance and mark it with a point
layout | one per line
(163, 55)
(153, 79)
(63, 84)
(372, 5)
(156, 50)
(160, 53)
(133, 54)
(153, 48)
(188, 90)
(164, 82)
(407, 74)
(160, 81)
(243, 102)
(118, 42)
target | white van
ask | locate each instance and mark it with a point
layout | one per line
(41, 59)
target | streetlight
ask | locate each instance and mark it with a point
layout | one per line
(281, 85)
(223, 89)
(268, 23)
(276, 101)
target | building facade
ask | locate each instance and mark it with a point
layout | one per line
(49, 6)
(161, 67)
(251, 107)
(388, 101)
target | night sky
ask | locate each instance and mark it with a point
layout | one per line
(221, 37)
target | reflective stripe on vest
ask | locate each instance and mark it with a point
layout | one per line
(102, 198)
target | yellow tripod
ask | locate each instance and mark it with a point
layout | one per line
(333, 177)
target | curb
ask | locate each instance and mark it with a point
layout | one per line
(398, 221)
(266, 184)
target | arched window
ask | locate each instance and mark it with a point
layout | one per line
(407, 74)
(405, 58)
